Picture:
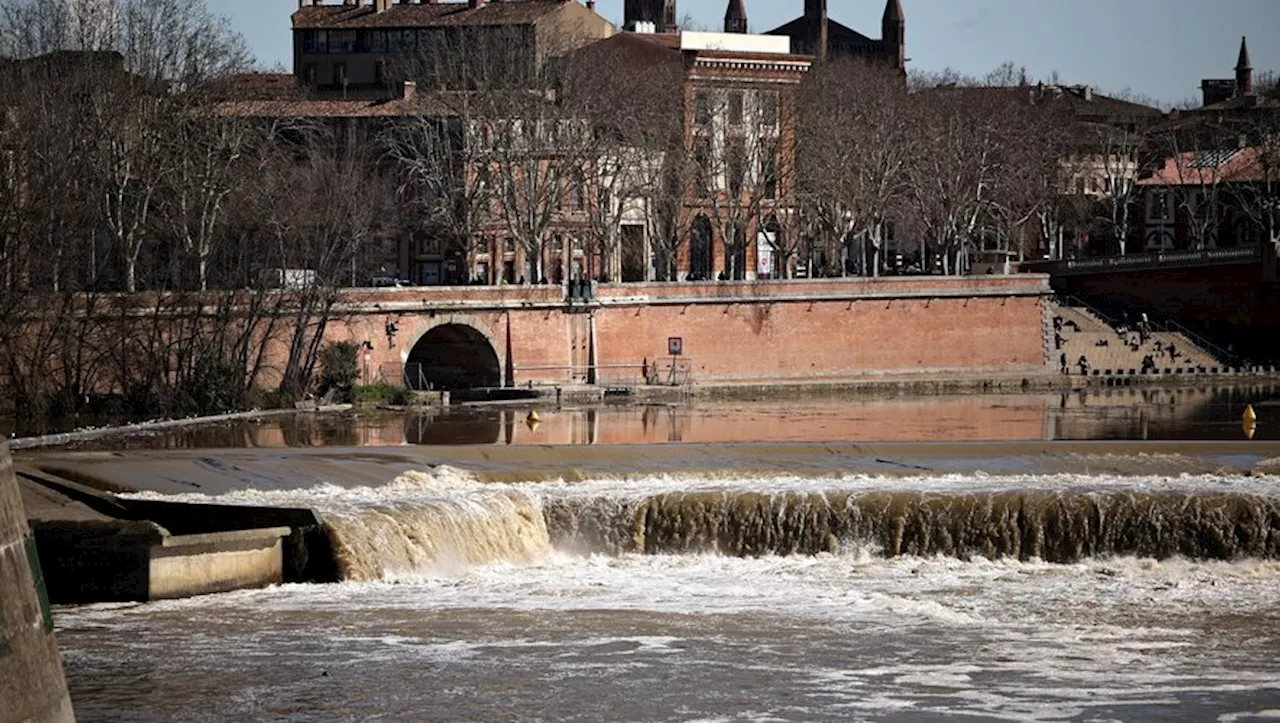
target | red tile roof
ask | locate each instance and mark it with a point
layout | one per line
(1203, 168)
(505, 12)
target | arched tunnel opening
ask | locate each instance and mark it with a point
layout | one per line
(451, 357)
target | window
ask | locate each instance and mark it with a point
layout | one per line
(321, 44)
(340, 74)
(769, 170)
(342, 41)
(375, 41)
(702, 159)
(769, 109)
(578, 194)
(309, 75)
(702, 108)
(308, 38)
(508, 245)
(735, 108)
(380, 72)
(401, 41)
(736, 165)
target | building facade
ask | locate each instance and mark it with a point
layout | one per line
(361, 46)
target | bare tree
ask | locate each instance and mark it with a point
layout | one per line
(856, 143)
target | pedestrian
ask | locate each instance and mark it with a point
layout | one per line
(1062, 362)
(1083, 364)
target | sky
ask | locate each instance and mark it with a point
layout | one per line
(1159, 49)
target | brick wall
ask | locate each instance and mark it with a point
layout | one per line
(794, 330)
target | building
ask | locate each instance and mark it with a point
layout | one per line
(1213, 199)
(735, 96)
(816, 34)
(363, 46)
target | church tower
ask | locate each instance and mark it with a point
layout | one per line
(662, 13)
(735, 17)
(894, 34)
(1244, 70)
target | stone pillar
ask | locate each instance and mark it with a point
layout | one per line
(31, 684)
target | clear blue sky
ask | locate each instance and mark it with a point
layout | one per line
(1158, 48)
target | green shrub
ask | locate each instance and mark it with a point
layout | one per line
(339, 369)
(379, 394)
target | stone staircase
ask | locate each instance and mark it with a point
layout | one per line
(1079, 333)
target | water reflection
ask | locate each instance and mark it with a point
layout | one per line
(1211, 413)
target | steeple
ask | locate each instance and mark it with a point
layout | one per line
(735, 17)
(894, 33)
(1244, 70)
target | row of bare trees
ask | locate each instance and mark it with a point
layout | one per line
(151, 247)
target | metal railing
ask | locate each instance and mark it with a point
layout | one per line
(1162, 258)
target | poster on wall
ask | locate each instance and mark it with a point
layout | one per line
(764, 255)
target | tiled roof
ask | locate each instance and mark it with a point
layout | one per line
(335, 108)
(455, 14)
(1197, 168)
(252, 85)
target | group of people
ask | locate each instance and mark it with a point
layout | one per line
(1134, 337)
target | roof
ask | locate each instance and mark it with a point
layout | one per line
(1201, 168)
(301, 107)
(1081, 101)
(244, 86)
(837, 33)
(451, 14)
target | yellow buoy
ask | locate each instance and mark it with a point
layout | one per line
(1250, 429)
(1249, 415)
(533, 417)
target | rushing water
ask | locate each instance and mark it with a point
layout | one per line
(732, 596)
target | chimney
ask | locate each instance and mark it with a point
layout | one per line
(591, 5)
(409, 90)
(475, 3)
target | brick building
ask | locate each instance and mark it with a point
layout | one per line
(368, 45)
(735, 96)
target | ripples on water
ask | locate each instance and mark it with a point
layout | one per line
(681, 598)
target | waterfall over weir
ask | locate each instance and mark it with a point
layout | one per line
(442, 522)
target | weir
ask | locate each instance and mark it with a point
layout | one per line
(521, 524)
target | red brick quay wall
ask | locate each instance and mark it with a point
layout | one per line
(728, 331)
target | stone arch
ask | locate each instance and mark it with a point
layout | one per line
(455, 351)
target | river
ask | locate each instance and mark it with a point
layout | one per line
(675, 590)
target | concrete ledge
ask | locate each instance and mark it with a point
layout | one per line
(136, 561)
(216, 562)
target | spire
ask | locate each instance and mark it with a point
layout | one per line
(1244, 70)
(735, 17)
(893, 12)
(894, 34)
(1243, 62)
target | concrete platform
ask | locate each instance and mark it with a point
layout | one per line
(89, 556)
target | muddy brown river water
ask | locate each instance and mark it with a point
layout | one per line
(896, 560)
